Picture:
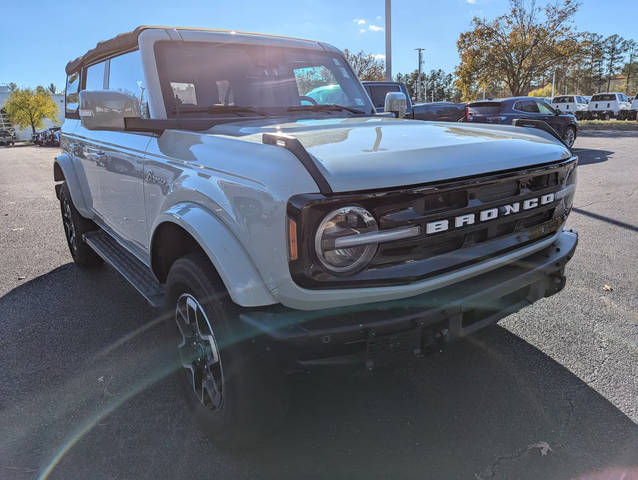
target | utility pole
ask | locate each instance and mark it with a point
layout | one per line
(418, 79)
(388, 41)
(553, 81)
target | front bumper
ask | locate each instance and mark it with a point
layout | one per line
(382, 332)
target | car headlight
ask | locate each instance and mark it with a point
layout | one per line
(340, 256)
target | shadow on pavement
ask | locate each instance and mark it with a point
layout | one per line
(606, 219)
(588, 156)
(484, 408)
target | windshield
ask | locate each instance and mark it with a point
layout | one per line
(204, 77)
(378, 93)
(609, 97)
(563, 100)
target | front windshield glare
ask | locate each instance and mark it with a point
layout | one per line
(204, 77)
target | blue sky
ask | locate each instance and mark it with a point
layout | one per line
(35, 51)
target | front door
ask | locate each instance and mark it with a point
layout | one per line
(547, 114)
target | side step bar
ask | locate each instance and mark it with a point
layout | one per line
(138, 274)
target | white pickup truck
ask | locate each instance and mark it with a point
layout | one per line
(574, 104)
(604, 106)
(281, 233)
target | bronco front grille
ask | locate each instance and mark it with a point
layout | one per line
(427, 255)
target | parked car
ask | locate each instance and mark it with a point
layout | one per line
(505, 111)
(633, 113)
(575, 104)
(434, 111)
(604, 106)
(47, 138)
(7, 138)
(279, 235)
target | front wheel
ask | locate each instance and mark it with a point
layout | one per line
(570, 136)
(233, 384)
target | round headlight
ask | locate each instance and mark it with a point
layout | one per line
(345, 222)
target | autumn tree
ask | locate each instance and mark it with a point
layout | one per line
(365, 65)
(515, 48)
(614, 49)
(26, 107)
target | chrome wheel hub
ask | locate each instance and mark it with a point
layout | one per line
(199, 353)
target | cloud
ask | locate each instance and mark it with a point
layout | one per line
(378, 17)
(375, 28)
(359, 21)
(362, 30)
(471, 2)
(379, 56)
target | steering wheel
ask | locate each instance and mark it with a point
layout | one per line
(308, 99)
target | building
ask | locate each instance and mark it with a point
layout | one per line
(24, 134)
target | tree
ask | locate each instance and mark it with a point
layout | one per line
(592, 46)
(12, 86)
(440, 85)
(631, 66)
(365, 65)
(516, 48)
(51, 88)
(28, 108)
(614, 49)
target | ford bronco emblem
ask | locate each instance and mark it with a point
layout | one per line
(488, 214)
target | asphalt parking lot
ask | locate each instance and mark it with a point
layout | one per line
(549, 393)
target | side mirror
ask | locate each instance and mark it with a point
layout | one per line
(106, 109)
(396, 103)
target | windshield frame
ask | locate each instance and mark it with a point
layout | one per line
(174, 111)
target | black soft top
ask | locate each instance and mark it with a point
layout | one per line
(129, 41)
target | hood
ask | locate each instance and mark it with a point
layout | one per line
(374, 152)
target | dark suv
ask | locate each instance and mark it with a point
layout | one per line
(7, 138)
(506, 110)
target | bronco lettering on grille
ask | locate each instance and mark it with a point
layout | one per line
(488, 214)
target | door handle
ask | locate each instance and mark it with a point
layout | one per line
(95, 151)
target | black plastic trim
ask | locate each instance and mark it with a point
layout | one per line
(294, 146)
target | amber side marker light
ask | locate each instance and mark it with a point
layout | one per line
(293, 253)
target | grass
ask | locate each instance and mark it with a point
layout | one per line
(608, 124)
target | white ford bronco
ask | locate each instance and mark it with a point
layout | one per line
(281, 232)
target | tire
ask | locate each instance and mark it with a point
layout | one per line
(605, 116)
(570, 136)
(249, 390)
(74, 226)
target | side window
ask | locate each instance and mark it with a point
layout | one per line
(126, 76)
(544, 109)
(527, 106)
(71, 95)
(95, 77)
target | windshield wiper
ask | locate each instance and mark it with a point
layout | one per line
(331, 107)
(220, 109)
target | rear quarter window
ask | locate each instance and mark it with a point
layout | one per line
(71, 97)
